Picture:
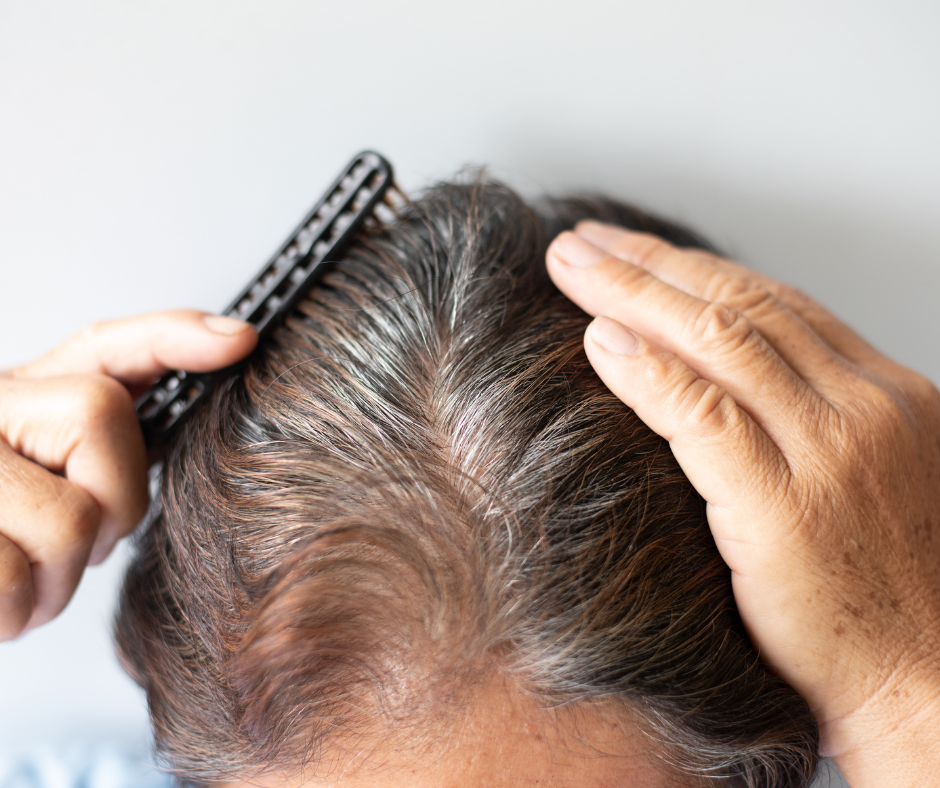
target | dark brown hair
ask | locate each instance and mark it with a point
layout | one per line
(419, 480)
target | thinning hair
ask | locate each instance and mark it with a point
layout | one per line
(418, 481)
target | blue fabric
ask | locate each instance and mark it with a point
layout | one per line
(78, 767)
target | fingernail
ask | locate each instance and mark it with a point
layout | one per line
(225, 325)
(613, 337)
(576, 251)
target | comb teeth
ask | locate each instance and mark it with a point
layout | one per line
(322, 236)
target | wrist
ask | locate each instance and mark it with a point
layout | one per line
(893, 739)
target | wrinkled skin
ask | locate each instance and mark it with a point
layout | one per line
(73, 468)
(819, 459)
(820, 462)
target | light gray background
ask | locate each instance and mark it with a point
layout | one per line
(153, 153)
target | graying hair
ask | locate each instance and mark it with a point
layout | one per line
(419, 480)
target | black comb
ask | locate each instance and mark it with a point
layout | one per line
(321, 237)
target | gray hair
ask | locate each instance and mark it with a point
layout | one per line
(420, 480)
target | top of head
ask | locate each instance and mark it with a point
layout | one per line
(418, 485)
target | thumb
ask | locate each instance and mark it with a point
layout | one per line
(139, 349)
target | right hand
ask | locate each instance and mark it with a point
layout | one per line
(73, 467)
(820, 462)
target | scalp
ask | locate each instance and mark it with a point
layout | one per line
(419, 481)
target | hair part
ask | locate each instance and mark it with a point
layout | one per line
(419, 480)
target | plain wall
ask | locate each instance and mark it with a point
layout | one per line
(152, 154)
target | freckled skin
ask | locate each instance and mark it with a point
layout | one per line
(820, 462)
(843, 517)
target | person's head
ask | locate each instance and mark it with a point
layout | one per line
(416, 541)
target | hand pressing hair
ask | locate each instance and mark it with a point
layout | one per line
(820, 462)
(73, 468)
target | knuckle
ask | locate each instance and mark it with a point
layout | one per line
(716, 318)
(711, 410)
(884, 404)
(89, 334)
(102, 399)
(922, 392)
(79, 519)
(878, 414)
(657, 371)
(721, 327)
(646, 251)
(629, 282)
(729, 289)
(16, 592)
(754, 300)
(704, 407)
(742, 294)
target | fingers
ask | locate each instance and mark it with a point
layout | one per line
(721, 449)
(48, 526)
(714, 278)
(85, 427)
(16, 590)
(76, 418)
(700, 275)
(836, 334)
(713, 340)
(72, 458)
(140, 349)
